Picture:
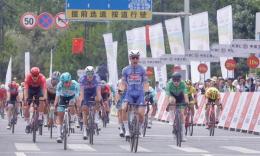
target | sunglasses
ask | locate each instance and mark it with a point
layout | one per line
(135, 57)
(176, 80)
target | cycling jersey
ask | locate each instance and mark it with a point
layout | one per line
(90, 87)
(3, 94)
(105, 92)
(14, 90)
(151, 95)
(73, 90)
(40, 82)
(212, 93)
(176, 91)
(135, 77)
(191, 92)
(50, 87)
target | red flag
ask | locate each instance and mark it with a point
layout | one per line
(78, 45)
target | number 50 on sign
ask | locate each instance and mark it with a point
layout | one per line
(28, 20)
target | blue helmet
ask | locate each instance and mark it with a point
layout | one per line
(65, 77)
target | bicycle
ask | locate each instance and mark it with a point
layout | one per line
(14, 117)
(51, 117)
(189, 122)
(146, 117)
(34, 120)
(104, 115)
(177, 128)
(66, 123)
(91, 125)
(212, 118)
(133, 121)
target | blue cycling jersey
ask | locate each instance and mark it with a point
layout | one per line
(135, 77)
(73, 90)
(88, 85)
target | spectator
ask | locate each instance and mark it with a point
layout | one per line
(221, 84)
(257, 85)
(229, 86)
(157, 87)
(242, 85)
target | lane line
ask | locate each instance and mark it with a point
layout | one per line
(26, 147)
(20, 154)
(81, 147)
(140, 149)
(189, 149)
(241, 149)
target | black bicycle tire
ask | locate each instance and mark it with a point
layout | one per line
(136, 135)
(178, 129)
(40, 130)
(191, 126)
(91, 128)
(51, 128)
(34, 126)
(145, 124)
(13, 127)
(65, 131)
(136, 142)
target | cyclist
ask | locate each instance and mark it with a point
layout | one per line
(120, 95)
(134, 76)
(67, 90)
(150, 96)
(51, 84)
(213, 96)
(13, 97)
(3, 97)
(192, 94)
(105, 93)
(177, 93)
(35, 87)
(89, 88)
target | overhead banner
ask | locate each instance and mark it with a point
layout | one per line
(199, 40)
(225, 36)
(8, 76)
(136, 39)
(175, 38)
(111, 52)
(27, 63)
(158, 49)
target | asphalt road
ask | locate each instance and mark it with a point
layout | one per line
(158, 141)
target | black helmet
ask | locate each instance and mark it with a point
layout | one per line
(176, 76)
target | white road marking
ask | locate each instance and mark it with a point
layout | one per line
(188, 149)
(20, 154)
(26, 147)
(140, 149)
(241, 149)
(81, 147)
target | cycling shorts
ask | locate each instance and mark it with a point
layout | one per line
(89, 95)
(105, 96)
(64, 102)
(34, 92)
(51, 96)
(135, 97)
(13, 99)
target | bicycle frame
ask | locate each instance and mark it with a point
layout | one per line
(91, 123)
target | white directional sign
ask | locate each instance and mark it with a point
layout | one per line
(61, 21)
(151, 62)
(28, 20)
(174, 59)
(201, 55)
(246, 46)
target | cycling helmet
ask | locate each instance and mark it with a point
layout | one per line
(176, 76)
(188, 82)
(89, 70)
(35, 71)
(55, 75)
(65, 77)
(2, 86)
(134, 53)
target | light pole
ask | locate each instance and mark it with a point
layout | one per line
(187, 32)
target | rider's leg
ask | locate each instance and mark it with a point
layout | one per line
(9, 109)
(59, 121)
(218, 111)
(172, 101)
(41, 111)
(85, 113)
(207, 108)
(125, 118)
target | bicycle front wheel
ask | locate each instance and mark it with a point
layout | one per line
(178, 129)
(65, 135)
(145, 124)
(212, 124)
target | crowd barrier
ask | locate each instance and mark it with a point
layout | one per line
(241, 111)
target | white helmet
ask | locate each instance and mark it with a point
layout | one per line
(2, 86)
(89, 70)
(134, 53)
